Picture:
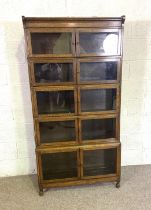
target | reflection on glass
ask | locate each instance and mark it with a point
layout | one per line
(51, 43)
(99, 162)
(110, 44)
(98, 100)
(98, 129)
(57, 131)
(55, 102)
(97, 71)
(53, 72)
(98, 42)
(59, 165)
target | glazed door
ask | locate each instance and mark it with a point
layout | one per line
(90, 71)
(99, 129)
(98, 99)
(53, 72)
(54, 101)
(56, 131)
(98, 42)
(99, 162)
(51, 42)
(58, 164)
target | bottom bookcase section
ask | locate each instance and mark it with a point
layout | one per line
(78, 163)
(58, 165)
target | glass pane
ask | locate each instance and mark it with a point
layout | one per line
(99, 162)
(55, 102)
(53, 72)
(97, 71)
(98, 129)
(57, 131)
(51, 43)
(98, 42)
(98, 100)
(59, 165)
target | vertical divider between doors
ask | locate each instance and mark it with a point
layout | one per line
(79, 100)
(80, 135)
(75, 71)
(78, 163)
(73, 46)
(76, 100)
(77, 43)
(81, 162)
(78, 71)
(75, 65)
(75, 34)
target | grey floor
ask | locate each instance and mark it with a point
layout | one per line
(20, 193)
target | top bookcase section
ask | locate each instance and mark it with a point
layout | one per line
(75, 38)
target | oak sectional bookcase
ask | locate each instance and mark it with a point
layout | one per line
(75, 80)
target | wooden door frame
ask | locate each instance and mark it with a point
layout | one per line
(93, 30)
(49, 30)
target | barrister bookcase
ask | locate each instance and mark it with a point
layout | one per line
(75, 69)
